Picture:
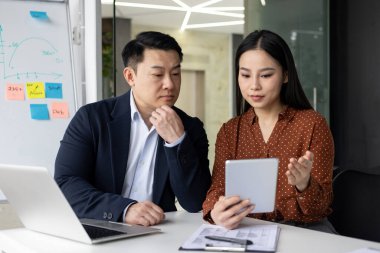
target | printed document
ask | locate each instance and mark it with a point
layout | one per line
(264, 237)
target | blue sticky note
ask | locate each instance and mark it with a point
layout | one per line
(39, 14)
(39, 111)
(53, 90)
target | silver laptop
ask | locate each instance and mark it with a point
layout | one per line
(254, 179)
(42, 207)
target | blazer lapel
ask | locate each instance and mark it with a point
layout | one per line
(119, 134)
(161, 171)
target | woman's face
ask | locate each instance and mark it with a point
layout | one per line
(260, 79)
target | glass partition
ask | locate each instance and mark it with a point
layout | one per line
(304, 26)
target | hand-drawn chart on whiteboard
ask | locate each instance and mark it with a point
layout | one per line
(37, 90)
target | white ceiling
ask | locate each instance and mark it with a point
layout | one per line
(160, 16)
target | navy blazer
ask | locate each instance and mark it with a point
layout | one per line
(92, 159)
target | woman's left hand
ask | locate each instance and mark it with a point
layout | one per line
(299, 171)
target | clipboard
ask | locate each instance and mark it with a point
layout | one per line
(264, 239)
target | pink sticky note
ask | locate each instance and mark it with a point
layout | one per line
(59, 110)
(14, 92)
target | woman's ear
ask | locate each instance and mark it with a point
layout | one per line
(285, 77)
(129, 76)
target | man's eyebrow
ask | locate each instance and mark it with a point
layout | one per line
(161, 67)
(157, 67)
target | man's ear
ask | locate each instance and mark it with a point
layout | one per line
(129, 76)
(285, 77)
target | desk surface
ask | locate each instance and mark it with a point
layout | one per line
(178, 226)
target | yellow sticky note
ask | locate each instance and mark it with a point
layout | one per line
(59, 110)
(14, 92)
(35, 90)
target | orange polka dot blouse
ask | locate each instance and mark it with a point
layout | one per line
(295, 132)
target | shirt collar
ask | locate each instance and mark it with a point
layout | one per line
(286, 114)
(134, 112)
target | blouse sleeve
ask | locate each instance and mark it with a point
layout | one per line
(217, 188)
(314, 202)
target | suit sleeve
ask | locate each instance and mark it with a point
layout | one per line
(75, 174)
(189, 172)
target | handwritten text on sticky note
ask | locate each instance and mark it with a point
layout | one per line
(35, 90)
(14, 92)
(53, 90)
(59, 110)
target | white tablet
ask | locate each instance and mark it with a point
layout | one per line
(254, 179)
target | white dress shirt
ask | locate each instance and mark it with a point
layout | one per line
(138, 182)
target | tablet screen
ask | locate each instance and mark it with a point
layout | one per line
(254, 179)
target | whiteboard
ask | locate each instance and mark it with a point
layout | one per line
(35, 62)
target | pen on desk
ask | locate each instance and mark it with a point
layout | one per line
(229, 239)
(210, 247)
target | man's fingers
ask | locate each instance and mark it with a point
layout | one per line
(143, 221)
(155, 207)
(162, 112)
(151, 218)
(166, 109)
(156, 213)
(155, 115)
(144, 213)
(153, 212)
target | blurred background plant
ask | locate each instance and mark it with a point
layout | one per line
(107, 58)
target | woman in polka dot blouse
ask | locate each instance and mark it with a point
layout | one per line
(276, 120)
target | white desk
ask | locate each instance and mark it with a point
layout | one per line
(175, 230)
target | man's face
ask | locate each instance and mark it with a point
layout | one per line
(156, 81)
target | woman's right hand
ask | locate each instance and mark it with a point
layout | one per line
(229, 212)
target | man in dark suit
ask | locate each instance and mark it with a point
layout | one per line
(128, 158)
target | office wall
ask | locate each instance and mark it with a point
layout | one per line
(355, 83)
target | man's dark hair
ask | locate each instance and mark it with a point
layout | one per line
(133, 51)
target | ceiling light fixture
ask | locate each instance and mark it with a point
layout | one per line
(224, 8)
(185, 20)
(207, 3)
(220, 13)
(200, 8)
(228, 23)
(263, 2)
(180, 3)
(147, 6)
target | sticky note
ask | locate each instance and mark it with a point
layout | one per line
(53, 90)
(39, 111)
(14, 92)
(35, 90)
(59, 110)
(39, 14)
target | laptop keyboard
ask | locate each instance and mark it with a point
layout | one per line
(97, 232)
